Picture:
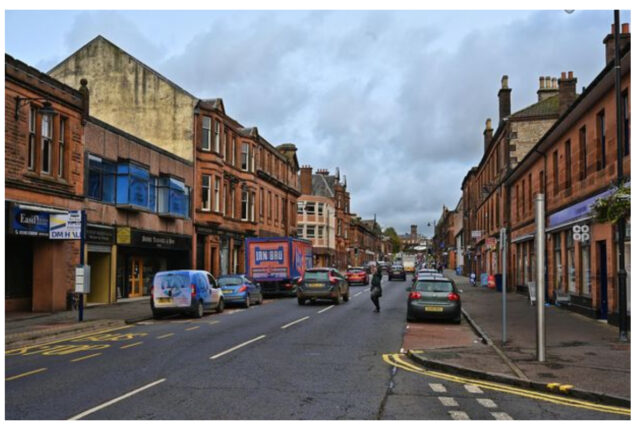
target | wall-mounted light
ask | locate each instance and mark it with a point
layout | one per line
(46, 109)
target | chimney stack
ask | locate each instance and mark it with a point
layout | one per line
(413, 232)
(609, 41)
(566, 91)
(487, 134)
(548, 87)
(504, 100)
(306, 180)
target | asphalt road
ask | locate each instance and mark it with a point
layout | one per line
(275, 361)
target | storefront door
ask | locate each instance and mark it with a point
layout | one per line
(136, 277)
(602, 278)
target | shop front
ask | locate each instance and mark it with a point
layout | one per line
(219, 251)
(140, 254)
(101, 256)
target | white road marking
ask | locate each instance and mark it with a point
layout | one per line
(357, 294)
(438, 388)
(458, 415)
(113, 401)
(213, 357)
(294, 322)
(366, 290)
(165, 335)
(448, 401)
(488, 403)
(326, 309)
(501, 416)
(86, 357)
(473, 389)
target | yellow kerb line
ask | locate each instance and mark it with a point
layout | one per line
(131, 345)
(66, 339)
(87, 356)
(25, 374)
(396, 360)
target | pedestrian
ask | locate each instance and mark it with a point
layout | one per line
(375, 289)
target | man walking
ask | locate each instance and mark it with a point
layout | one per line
(375, 289)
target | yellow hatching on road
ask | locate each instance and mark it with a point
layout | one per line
(397, 360)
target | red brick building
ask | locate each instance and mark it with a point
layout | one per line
(44, 177)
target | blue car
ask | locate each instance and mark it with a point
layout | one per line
(240, 289)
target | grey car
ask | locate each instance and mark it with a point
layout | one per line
(434, 297)
(322, 283)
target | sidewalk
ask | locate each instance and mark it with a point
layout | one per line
(580, 351)
(22, 328)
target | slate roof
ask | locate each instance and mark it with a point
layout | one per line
(546, 107)
(321, 185)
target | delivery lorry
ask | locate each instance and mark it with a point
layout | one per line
(276, 263)
(409, 262)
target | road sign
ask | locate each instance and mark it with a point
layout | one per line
(65, 226)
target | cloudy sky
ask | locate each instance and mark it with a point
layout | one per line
(396, 99)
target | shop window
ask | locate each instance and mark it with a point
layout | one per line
(206, 192)
(152, 194)
(557, 251)
(32, 132)
(101, 179)
(47, 136)
(585, 256)
(571, 262)
(173, 197)
(206, 136)
(133, 183)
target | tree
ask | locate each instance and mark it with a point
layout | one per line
(394, 239)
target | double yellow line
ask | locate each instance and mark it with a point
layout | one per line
(397, 360)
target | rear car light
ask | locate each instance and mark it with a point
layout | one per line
(300, 279)
(242, 289)
(453, 297)
(415, 295)
(288, 285)
(193, 287)
(332, 280)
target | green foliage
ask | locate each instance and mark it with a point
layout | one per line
(612, 208)
(394, 238)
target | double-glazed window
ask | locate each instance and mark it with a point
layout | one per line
(206, 136)
(206, 192)
(101, 179)
(173, 197)
(132, 185)
(310, 231)
(320, 209)
(310, 208)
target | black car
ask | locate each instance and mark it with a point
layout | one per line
(322, 283)
(396, 272)
(434, 298)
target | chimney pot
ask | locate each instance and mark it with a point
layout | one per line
(504, 81)
(504, 99)
(554, 83)
(542, 82)
(570, 75)
(625, 28)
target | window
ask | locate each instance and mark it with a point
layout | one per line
(217, 194)
(47, 136)
(152, 193)
(133, 184)
(555, 172)
(522, 197)
(32, 131)
(300, 207)
(320, 209)
(217, 136)
(206, 190)
(62, 148)
(261, 203)
(227, 147)
(585, 255)
(252, 167)
(206, 136)
(310, 232)
(567, 164)
(583, 152)
(270, 208)
(626, 125)
(224, 206)
(101, 179)
(517, 202)
(252, 217)
(557, 250)
(244, 157)
(277, 212)
(601, 136)
(233, 202)
(570, 263)
(173, 197)
(233, 151)
(309, 207)
(542, 181)
(530, 194)
(300, 230)
(244, 205)
(320, 232)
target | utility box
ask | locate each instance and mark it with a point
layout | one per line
(82, 279)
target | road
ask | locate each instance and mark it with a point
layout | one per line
(274, 361)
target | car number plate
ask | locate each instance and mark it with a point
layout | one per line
(227, 291)
(433, 308)
(165, 300)
(315, 285)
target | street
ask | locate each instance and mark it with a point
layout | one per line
(275, 361)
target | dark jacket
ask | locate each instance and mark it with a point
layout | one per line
(376, 280)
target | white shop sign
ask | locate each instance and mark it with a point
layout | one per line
(65, 226)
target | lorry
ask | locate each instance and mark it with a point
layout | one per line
(409, 262)
(276, 263)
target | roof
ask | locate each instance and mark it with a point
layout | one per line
(546, 107)
(322, 186)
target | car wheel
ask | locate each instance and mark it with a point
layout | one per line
(247, 302)
(199, 311)
(347, 296)
(221, 306)
(301, 301)
(338, 299)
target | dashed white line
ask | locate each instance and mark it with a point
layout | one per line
(438, 388)
(448, 401)
(458, 415)
(473, 389)
(501, 416)
(367, 290)
(213, 357)
(357, 294)
(294, 322)
(113, 401)
(326, 309)
(488, 403)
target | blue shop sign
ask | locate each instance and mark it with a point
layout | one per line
(29, 222)
(574, 212)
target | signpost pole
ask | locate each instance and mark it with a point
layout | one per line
(81, 262)
(540, 276)
(503, 240)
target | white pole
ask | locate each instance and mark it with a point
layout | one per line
(540, 276)
(503, 239)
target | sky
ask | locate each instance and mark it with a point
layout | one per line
(396, 99)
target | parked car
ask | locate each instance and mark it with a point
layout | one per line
(357, 275)
(240, 289)
(322, 283)
(185, 291)
(423, 272)
(396, 272)
(434, 297)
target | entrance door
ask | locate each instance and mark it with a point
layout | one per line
(136, 277)
(602, 279)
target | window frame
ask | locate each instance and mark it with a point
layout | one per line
(206, 137)
(46, 142)
(208, 207)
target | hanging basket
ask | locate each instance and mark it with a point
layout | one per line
(615, 206)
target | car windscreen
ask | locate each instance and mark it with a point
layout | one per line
(316, 276)
(433, 286)
(397, 267)
(234, 280)
(171, 280)
(356, 271)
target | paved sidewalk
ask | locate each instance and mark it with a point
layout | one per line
(580, 351)
(22, 328)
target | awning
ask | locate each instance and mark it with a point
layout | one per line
(524, 238)
(568, 224)
(36, 208)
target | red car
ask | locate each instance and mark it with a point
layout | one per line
(357, 275)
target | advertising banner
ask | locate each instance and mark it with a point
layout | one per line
(270, 260)
(66, 226)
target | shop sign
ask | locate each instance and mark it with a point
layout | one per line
(147, 239)
(66, 226)
(576, 211)
(100, 235)
(29, 223)
(490, 243)
(476, 234)
(123, 235)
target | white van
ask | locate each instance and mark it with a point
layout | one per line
(185, 291)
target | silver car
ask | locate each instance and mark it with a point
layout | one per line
(322, 283)
(434, 297)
